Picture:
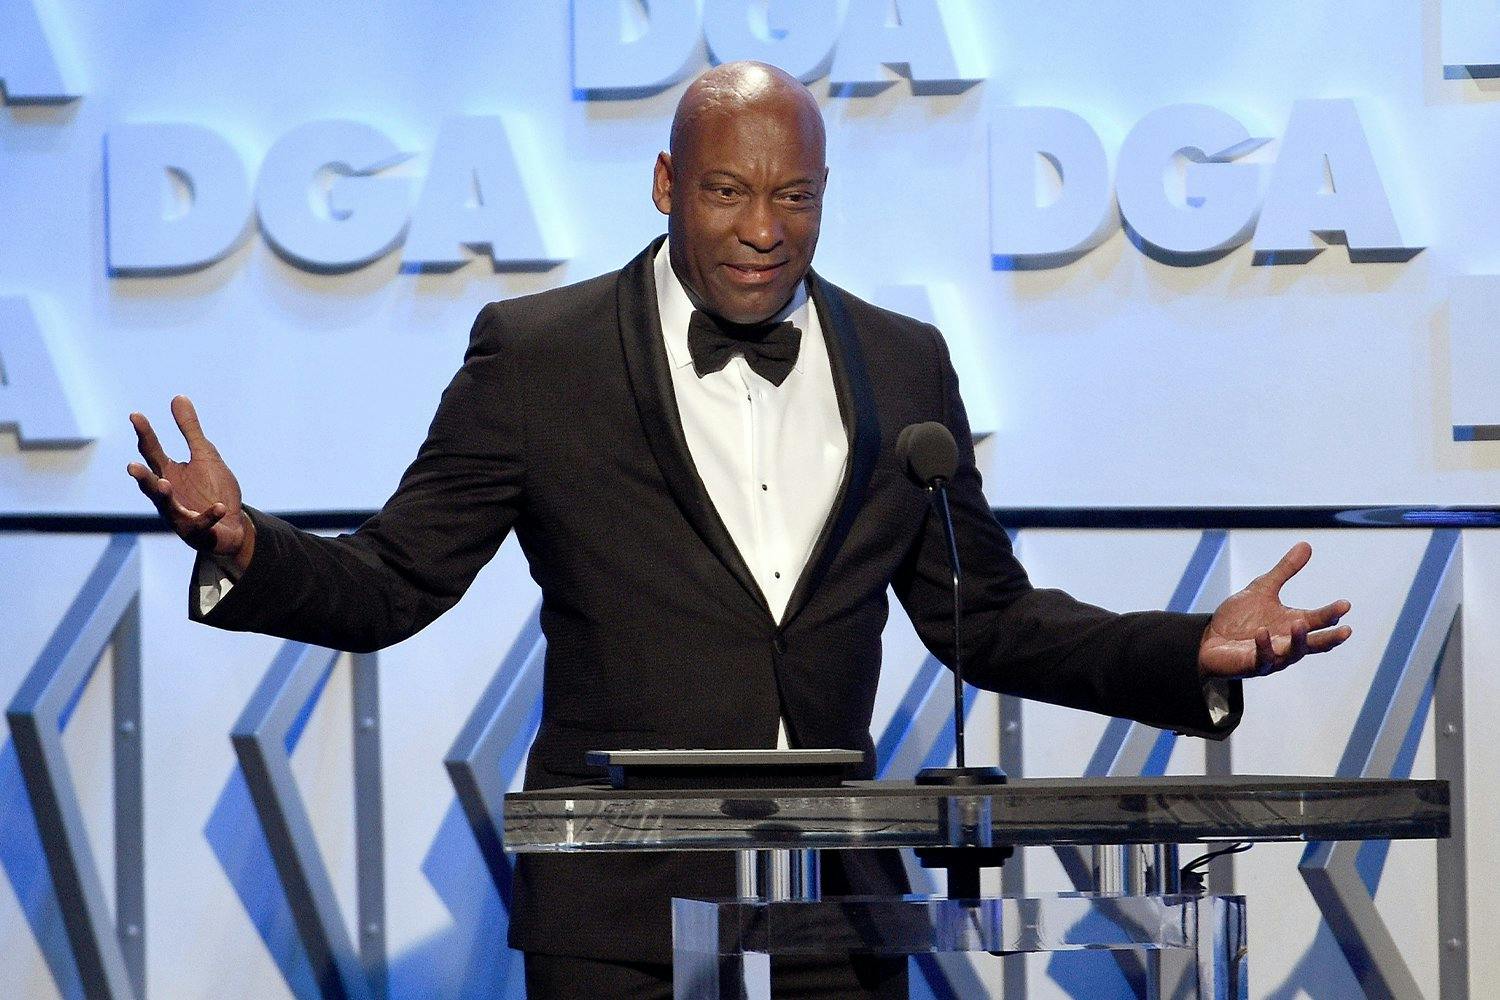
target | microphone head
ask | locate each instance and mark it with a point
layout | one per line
(927, 452)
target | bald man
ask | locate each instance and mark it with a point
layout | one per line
(696, 453)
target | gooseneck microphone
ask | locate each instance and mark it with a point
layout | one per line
(930, 456)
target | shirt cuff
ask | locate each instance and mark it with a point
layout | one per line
(213, 583)
(1216, 695)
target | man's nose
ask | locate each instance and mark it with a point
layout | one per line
(760, 227)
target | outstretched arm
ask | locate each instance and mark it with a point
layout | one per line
(1039, 643)
(403, 567)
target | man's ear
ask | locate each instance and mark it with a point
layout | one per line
(661, 183)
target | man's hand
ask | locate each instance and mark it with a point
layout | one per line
(1253, 633)
(199, 498)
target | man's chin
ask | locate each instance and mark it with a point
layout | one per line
(748, 310)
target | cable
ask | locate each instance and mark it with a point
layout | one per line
(1194, 872)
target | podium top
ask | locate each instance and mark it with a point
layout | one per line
(869, 814)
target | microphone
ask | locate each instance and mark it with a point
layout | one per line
(928, 452)
(929, 455)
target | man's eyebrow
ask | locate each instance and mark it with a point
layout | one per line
(715, 175)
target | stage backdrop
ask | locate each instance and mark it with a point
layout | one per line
(1186, 254)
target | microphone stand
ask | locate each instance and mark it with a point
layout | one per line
(939, 496)
(964, 859)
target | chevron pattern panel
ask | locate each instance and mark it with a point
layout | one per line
(106, 937)
(263, 830)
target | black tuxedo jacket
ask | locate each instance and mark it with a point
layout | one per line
(562, 426)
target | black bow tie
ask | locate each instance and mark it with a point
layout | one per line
(770, 349)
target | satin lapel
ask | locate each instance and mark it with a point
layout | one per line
(651, 382)
(851, 380)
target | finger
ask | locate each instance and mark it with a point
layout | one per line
(187, 422)
(184, 520)
(1322, 642)
(1297, 648)
(175, 510)
(161, 491)
(144, 477)
(165, 490)
(147, 443)
(187, 523)
(147, 480)
(1328, 614)
(204, 522)
(1296, 557)
(1265, 655)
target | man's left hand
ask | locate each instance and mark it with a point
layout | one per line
(1253, 634)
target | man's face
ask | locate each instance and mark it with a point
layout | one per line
(744, 199)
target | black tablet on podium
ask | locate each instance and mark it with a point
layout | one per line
(690, 769)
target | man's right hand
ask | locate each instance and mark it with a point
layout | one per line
(199, 498)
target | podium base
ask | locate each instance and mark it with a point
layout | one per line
(1191, 946)
(961, 777)
(963, 864)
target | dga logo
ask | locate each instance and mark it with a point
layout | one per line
(326, 199)
(626, 48)
(1182, 192)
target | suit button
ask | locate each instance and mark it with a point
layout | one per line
(779, 644)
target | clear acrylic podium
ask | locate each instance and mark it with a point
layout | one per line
(1195, 945)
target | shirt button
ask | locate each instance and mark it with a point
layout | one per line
(778, 574)
(763, 486)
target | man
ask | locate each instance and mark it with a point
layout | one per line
(696, 453)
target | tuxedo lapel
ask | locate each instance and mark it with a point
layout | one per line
(651, 382)
(851, 381)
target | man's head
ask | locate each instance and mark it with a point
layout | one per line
(742, 189)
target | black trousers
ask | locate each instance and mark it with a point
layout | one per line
(832, 977)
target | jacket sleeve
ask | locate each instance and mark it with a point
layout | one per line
(415, 558)
(1039, 643)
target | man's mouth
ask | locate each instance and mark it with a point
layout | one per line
(753, 274)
